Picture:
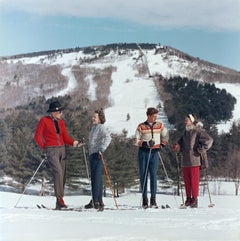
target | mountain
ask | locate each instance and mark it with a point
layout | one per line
(119, 77)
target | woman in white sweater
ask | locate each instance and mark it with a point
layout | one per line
(99, 140)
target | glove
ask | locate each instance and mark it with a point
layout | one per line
(145, 144)
(78, 143)
(148, 144)
(81, 142)
(175, 147)
(162, 145)
(44, 156)
(200, 150)
(151, 143)
(100, 155)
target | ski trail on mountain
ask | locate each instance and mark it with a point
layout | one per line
(129, 94)
(72, 83)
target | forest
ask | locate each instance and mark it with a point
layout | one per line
(20, 156)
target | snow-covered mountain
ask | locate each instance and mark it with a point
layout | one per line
(132, 78)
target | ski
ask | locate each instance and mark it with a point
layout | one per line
(76, 209)
(183, 206)
(82, 209)
(41, 206)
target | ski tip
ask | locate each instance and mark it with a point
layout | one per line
(183, 206)
(211, 205)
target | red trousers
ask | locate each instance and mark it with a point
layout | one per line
(191, 176)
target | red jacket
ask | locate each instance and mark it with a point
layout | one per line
(46, 135)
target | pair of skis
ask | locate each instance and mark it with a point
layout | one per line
(76, 209)
(82, 209)
(183, 206)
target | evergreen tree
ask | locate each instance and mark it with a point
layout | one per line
(121, 159)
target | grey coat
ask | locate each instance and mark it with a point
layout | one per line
(194, 145)
(99, 139)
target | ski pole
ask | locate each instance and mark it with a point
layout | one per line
(30, 182)
(146, 173)
(87, 169)
(164, 168)
(108, 178)
(209, 195)
(179, 181)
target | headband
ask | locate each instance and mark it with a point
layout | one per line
(191, 118)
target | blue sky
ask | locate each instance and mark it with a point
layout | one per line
(206, 29)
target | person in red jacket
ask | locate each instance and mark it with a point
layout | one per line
(51, 135)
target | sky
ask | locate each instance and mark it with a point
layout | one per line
(206, 29)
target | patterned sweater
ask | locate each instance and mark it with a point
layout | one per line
(146, 132)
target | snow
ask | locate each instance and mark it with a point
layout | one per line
(28, 223)
(131, 93)
(234, 90)
(72, 83)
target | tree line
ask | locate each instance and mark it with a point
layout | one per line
(20, 156)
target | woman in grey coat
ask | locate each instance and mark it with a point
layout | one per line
(99, 140)
(193, 146)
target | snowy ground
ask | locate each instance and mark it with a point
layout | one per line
(221, 222)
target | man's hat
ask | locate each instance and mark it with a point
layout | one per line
(54, 107)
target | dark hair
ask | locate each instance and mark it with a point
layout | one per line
(151, 111)
(101, 115)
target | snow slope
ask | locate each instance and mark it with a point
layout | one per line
(131, 93)
(222, 222)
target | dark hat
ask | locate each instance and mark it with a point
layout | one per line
(54, 107)
(152, 111)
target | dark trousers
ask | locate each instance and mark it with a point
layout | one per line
(57, 160)
(149, 168)
(96, 167)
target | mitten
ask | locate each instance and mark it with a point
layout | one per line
(175, 147)
(145, 144)
(151, 143)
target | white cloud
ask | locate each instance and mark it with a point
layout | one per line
(210, 14)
